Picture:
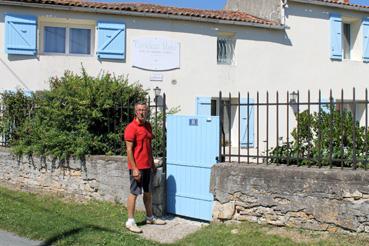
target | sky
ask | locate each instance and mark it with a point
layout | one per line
(361, 2)
(196, 4)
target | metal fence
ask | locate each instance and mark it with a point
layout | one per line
(293, 129)
(116, 120)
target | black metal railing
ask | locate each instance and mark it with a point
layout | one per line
(292, 129)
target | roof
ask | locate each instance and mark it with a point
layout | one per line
(236, 17)
(337, 3)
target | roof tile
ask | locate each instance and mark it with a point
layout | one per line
(158, 9)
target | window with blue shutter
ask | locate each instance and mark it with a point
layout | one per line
(366, 39)
(247, 134)
(336, 36)
(203, 106)
(111, 40)
(20, 34)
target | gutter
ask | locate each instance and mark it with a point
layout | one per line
(141, 14)
(332, 5)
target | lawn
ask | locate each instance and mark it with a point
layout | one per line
(58, 222)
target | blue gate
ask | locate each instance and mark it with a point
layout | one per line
(192, 148)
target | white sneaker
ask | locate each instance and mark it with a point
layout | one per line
(155, 221)
(133, 227)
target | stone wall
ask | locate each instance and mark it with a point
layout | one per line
(98, 177)
(312, 198)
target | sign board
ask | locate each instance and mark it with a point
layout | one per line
(193, 122)
(156, 77)
(155, 54)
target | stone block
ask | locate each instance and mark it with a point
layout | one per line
(223, 211)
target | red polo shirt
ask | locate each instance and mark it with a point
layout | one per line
(140, 135)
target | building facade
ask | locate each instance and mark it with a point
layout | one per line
(190, 54)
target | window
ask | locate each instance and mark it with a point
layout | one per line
(54, 39)
(349, 106)
(80, 41)
(225, 50)
(67, 40)
(346, 40)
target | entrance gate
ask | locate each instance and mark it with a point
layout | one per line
(192, 148)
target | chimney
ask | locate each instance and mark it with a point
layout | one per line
(265, 9)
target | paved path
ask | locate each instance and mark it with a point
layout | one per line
(175, 229)
(10, 239)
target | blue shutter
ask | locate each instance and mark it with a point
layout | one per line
(366, 39)
(111, 40)
(20, 34)
(247, 134)
(336, 36)
(203, 106)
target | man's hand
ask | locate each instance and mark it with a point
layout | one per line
(154, 168)
(136, 174)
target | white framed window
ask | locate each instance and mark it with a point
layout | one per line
(351, 42)
(226, 50)
(346, 28)
(66, 39)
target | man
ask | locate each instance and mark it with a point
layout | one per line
(138, 136)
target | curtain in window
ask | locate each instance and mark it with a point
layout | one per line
(54, 39)
(80, 41)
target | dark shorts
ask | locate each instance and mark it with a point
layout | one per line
(144, 183)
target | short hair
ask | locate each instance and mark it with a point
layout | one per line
(141, 102)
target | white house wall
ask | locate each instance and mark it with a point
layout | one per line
(297, 58)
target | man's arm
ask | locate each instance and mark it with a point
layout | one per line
(135, 172)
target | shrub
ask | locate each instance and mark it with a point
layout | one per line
(16, 107)
(311, 145)
(79, 115)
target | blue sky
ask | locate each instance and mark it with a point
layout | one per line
(362, 2)
(196, 4)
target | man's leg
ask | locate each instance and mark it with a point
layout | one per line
(131, 206)
(147, 199)
(135, 190)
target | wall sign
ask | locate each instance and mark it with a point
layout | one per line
(155, 54)
(193, 122)
(156, 77)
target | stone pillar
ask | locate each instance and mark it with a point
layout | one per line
(158, 193)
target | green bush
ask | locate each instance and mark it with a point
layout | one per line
(158, 143)
(16, 108)
(79, 115)
(311, 143)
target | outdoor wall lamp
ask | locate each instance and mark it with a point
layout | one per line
(294, 97)
(157, 92)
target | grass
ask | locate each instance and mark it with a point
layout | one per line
(58, 222)
(65, 223)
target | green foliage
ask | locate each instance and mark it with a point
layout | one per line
(156, 121)
(79, 115)
(16, 107)
(324, 137)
